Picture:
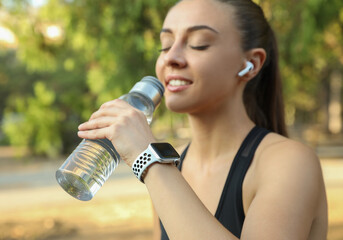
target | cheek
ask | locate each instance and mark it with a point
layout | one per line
(220, 63)
(218, 77)
(158, 68)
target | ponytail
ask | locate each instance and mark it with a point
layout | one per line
(263, 98)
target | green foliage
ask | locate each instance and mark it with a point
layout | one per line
(310, 41)
(35, 122)
(50, 85)
(105, 47)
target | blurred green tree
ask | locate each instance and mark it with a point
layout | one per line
(36, 123)
(310, 35)
(85, 52)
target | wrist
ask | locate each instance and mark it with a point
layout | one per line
(157, 171)
(155, 167)
(162, 153)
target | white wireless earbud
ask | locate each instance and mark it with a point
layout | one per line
(247, 69)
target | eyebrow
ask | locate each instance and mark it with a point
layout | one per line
(192, 29)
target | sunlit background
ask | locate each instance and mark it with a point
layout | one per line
(61, 59)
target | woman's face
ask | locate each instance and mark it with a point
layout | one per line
(200, 57)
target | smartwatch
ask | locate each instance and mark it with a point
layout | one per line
(155, 153)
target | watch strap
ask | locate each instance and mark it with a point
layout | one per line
(141, 164)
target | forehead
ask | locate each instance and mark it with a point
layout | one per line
(200, 12)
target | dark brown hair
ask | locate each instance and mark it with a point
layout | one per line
(263, 98)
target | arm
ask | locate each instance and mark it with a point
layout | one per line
(157, 229)
(289, 186)
(156, 219)
(182, 213)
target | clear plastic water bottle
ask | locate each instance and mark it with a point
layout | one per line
(93, 161)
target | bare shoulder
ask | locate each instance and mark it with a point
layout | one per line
(289, 192)
(290, 165)
(280, 152)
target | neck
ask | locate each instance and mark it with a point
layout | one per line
(218, 133)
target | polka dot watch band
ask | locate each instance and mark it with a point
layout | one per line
(156, 152)
(142, 162)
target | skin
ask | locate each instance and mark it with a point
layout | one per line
(283, 191)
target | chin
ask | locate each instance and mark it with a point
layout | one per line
(182, 108)
(177, 107)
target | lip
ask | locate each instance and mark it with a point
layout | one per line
(177, 88)
(176, 77)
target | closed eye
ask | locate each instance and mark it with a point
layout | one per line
(164, 49)
(200, 47)
(193, 47)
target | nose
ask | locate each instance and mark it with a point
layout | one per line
(175, 57)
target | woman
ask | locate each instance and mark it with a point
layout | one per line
(237, 181)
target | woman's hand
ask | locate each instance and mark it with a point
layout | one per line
(125, 126)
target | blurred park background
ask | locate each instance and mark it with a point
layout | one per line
(61, 59)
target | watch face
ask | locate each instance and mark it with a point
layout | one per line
(165, 150)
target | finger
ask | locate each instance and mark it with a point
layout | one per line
(119, 103)
(111, 108)
(97, 123)
(93, 134)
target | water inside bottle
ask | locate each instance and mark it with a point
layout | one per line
(141, 103)
(93, 161)
(86, 170)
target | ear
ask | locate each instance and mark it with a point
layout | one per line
(257, 56)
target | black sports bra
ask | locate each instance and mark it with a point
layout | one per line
(230, 212)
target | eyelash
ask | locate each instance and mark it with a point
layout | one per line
(200, 48)
(164, 49)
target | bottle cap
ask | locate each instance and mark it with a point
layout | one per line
(150, 87)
